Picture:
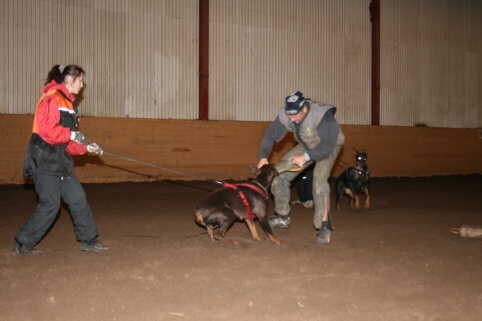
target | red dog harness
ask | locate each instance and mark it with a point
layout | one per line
(243, 198)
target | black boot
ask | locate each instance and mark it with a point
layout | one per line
(93, 246)
(324, 234)
(25, 250)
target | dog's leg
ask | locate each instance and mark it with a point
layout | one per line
(210, 229)
(367, 199)
(348, 192)
(339, 201)
(223, 228)
(274, 239)
(265, 225)
(357, 202)
(252, 229)
(229, 240)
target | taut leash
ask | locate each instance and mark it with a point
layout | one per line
(156, 166)
(163, 168)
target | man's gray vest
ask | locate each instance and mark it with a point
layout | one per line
(308, 131)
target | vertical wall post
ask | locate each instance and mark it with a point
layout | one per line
(375, 20)
(203, 59)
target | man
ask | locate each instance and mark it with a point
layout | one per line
(320, 140)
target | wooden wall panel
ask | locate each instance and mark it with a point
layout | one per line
(223, 149)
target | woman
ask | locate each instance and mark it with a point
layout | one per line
(49, 162)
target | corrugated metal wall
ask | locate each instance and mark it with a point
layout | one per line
(261, 51)
(431, 63)
(141, 57)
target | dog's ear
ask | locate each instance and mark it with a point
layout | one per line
(356, 152)
(255, 170)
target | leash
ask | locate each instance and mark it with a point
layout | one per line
(225, 184)
(341, 160)
(159, 236)
(157, 166)
(163, 168)
(251, 216)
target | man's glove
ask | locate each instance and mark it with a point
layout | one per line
(93, 148)
(78, 137)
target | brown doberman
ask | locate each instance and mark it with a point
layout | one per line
(246, 200)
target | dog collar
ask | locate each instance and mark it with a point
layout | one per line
(364, 171)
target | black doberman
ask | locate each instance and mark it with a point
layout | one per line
(353, 181)
(244, 200)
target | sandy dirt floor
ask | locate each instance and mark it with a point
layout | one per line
(396, 261)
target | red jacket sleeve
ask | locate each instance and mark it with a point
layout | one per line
(49, 128)
(74, 148)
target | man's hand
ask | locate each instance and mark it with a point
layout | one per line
(93, 148)
(299, 160)
(78, 137)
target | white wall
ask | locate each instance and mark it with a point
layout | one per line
(141, 57)
(431, 63)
